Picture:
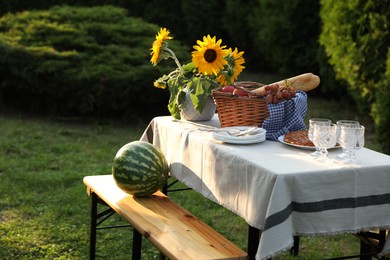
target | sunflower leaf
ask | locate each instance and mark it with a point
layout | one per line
(176, 87)
(189, 67)
(200, 89)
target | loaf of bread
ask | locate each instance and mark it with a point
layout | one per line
(305, 82)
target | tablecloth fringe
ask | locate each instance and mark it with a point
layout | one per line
(289, 246)
(349, 231)
(284, 249)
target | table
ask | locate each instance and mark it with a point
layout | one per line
(278, 189)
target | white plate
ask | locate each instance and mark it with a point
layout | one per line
(281, 139)
(223, 136)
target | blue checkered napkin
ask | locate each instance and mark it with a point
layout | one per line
(286, 116)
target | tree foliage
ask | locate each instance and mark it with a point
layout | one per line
(356, 38)
(286, 35)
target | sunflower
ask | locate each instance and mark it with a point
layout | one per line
(212, 65)
(162, 36)
(159, 84)
(234, 67)
(209, 55)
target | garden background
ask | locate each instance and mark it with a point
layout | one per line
(94, 60)
(85, 63)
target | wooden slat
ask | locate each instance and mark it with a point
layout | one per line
(176, 232)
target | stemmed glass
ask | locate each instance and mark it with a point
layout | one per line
(323, 121)
(351, 138)
(324, 137)
(344, 122)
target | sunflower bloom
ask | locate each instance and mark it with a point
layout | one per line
(222, 80)
(162, 36)
(234, 67)
(238, 61)
(158, 84)
(209, 56)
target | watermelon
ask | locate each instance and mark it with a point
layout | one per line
(140, 168)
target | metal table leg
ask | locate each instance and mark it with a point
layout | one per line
(253, 241)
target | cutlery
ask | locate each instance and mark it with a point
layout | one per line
(237, 132)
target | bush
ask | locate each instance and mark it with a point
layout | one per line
(78, 60)
(287, 34)
(236, 23)
(204, 17)
(270, 36)
(13, 6)
(381, 109)
(356, 39)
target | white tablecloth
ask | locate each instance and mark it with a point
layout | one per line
(277, 188)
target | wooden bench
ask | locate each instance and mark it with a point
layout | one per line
(173, 230)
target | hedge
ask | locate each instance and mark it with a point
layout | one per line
(278, 37)
(286, 35)
(79, 60)
(356, 38)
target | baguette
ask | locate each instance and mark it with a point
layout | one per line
(305, 82)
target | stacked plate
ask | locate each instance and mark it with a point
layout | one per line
(240, 135)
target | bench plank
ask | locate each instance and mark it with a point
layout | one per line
(176, 232)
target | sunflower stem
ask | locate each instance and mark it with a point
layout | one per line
(174, 73)
(174, 58)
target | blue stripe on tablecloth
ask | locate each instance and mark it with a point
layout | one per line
(281, 216)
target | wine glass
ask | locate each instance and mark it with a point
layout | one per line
(344, 122)
(325, 121)
(351, 138)
(324, 137)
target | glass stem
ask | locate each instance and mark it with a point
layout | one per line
(324, 152)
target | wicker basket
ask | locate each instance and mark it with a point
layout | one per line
(240, 111)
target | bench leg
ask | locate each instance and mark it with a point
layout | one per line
(137, 245)
(93, 226)
(162, 256)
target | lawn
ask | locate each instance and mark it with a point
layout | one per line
(44, 208)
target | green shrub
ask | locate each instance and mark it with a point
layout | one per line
(79, 60)
(168, 14)
(13, 6)
(286, 35)
(356, 39)
(275, 36)
(381, 108)
(236, 23)
(204, 17)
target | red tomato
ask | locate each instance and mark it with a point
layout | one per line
(228, 89)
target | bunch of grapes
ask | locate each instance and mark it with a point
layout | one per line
(275, 93)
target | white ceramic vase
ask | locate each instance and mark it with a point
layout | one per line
(189, 113)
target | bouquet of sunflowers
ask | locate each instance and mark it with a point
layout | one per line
(212, 66)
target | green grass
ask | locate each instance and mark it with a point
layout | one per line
(44, 208)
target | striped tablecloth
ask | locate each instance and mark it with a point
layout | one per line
(277, 188)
